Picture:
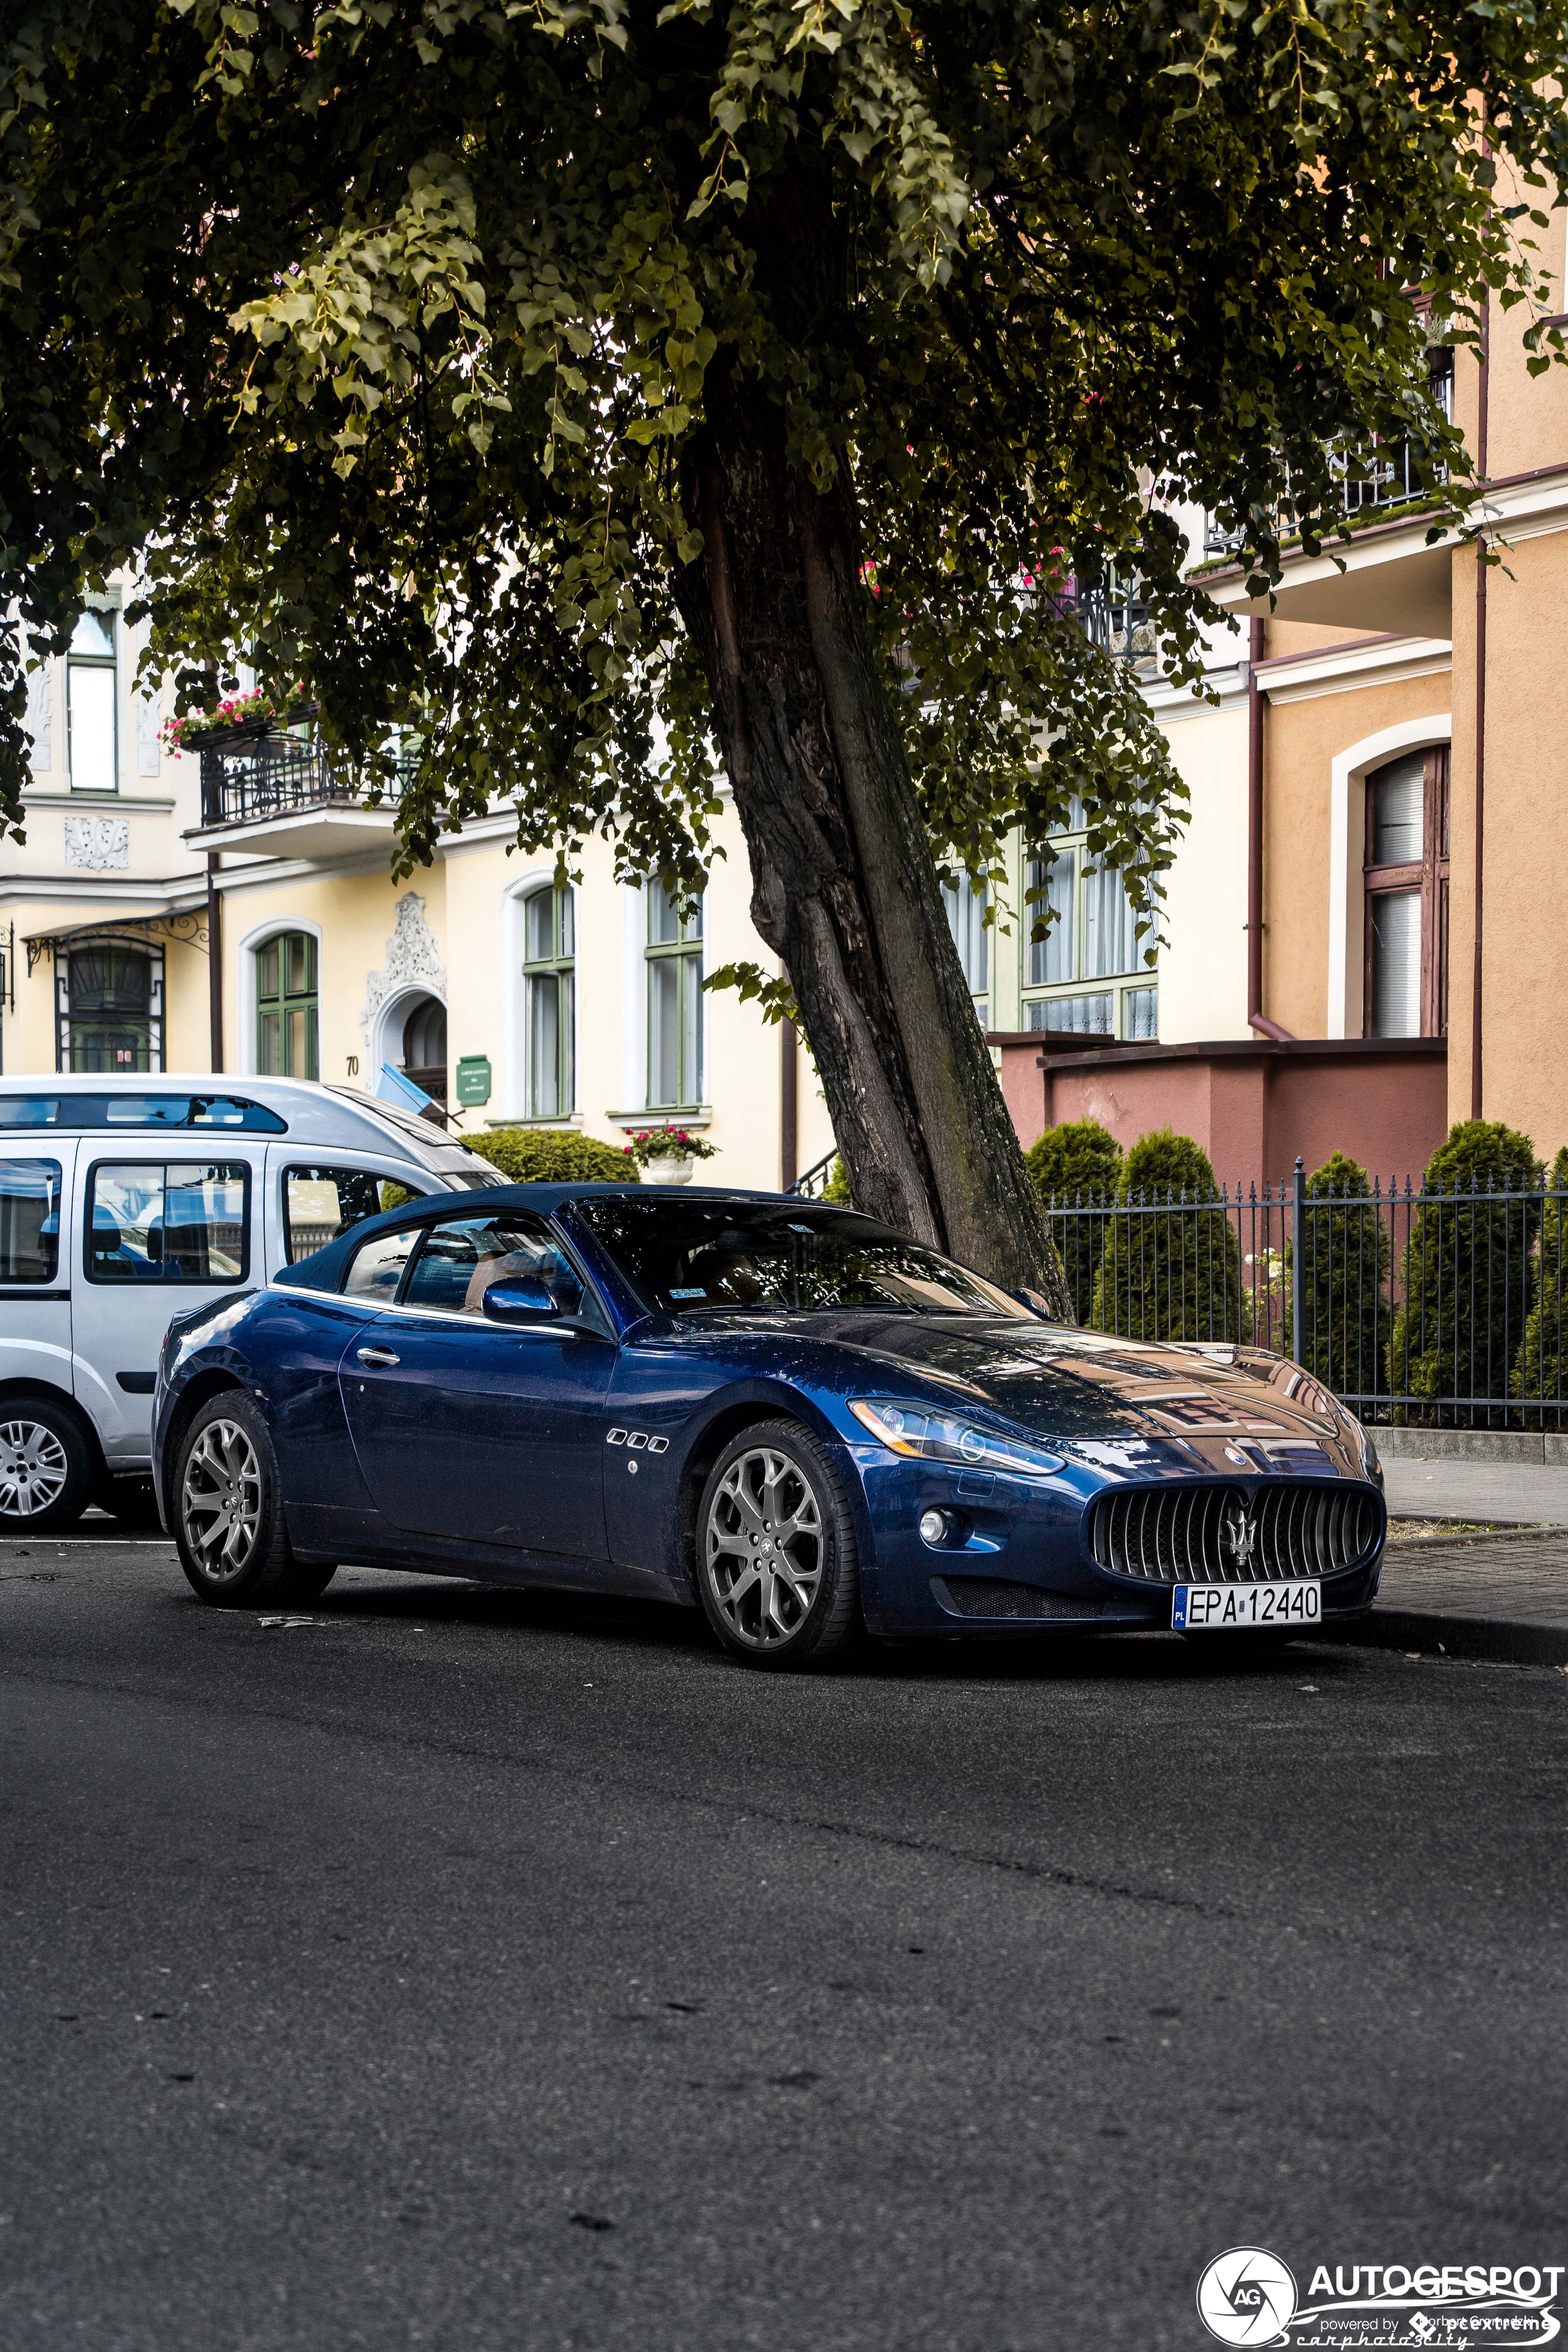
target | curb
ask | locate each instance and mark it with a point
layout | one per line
(1504, 1640)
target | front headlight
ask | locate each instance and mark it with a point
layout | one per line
(1369, 1454)
(941, 1437)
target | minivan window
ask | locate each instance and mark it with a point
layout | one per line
(140, 1110)
(319, 1203)
(376, 1267)
(29, 1220)
(168, 1222)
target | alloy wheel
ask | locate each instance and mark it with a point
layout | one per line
(33, 1468)
(764, 1547)
(220, 1506)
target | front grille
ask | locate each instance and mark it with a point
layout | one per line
(991, 1596)
(1227, 1535)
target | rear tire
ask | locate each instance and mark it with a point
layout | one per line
(227, 1500)
(777, 1565)
(47, 1467)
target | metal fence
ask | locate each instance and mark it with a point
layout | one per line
(1430, 1308)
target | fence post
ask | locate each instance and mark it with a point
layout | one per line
(1298, 1236)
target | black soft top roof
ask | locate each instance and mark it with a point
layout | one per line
(323, 1270)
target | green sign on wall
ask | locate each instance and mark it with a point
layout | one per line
(473, 1078)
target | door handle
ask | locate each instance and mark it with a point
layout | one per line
(378, 1359)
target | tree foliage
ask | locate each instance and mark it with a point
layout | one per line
(617, 391)
(382, 330)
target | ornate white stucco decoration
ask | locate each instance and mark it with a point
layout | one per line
(101, 844)
(147, 735)
(40, 717)
(412, 960)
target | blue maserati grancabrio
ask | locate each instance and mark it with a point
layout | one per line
(775, 1408)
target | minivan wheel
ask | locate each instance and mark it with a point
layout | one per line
(229, 1511)
(47, 1467)
(777, 1571)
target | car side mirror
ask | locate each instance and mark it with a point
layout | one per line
(154, 1244)
(1034, 1302)
(521, 1299)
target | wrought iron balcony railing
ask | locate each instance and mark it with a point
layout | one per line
(1390, 474)
(258, 776)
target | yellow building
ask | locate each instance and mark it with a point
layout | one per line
(145, 926)
(1411, 776)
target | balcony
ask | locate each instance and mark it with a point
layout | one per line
(1385, 579)
(289, 797)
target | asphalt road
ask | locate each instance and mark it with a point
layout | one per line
(480, 1971)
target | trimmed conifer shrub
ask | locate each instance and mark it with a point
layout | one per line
(1540, 1369)
(1076, 1165)
(1345, 1254)
(837, 1188)
(1454, 1334)
(553, 1155)
(1175, 1271)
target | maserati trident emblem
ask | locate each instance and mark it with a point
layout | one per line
(1239, 1532)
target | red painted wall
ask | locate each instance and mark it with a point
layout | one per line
(1252, 1108)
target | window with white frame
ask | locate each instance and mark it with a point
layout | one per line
(674, 1002)
(1088, 974)
(966, 902)
(549, 982)
(91, 702)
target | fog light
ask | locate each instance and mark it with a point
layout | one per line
(935, 1527)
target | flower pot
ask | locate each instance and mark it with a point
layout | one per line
(665, 1170)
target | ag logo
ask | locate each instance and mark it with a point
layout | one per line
(1247, 2297)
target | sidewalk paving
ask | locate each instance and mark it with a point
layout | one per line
(1501, 1596)
(1522, 1493)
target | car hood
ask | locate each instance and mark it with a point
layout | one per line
(1106, 1399)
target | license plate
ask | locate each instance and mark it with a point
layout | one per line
(1243, 1608)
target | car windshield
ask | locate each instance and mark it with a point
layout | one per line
(783, 1257)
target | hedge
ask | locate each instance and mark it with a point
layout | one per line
(1537, 1367)
(1176, 1276)
(1344, 1280)
(553, 1155)
(1451, 1336)
(1077, 1163)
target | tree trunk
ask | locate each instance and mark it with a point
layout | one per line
(844, 884)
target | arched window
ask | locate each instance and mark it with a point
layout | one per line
(549, 981)
(90, 704)
(424, 1046)
(1405, 875)
(287, 1009)
(674, 1003)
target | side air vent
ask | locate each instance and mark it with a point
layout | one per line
(1230, 1534)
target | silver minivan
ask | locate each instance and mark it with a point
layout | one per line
(125, 1200)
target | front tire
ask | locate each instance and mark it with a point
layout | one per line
(229, 1512)
(48, 1470)
(777, 1566)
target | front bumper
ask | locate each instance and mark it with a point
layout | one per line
(1013, 1537)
